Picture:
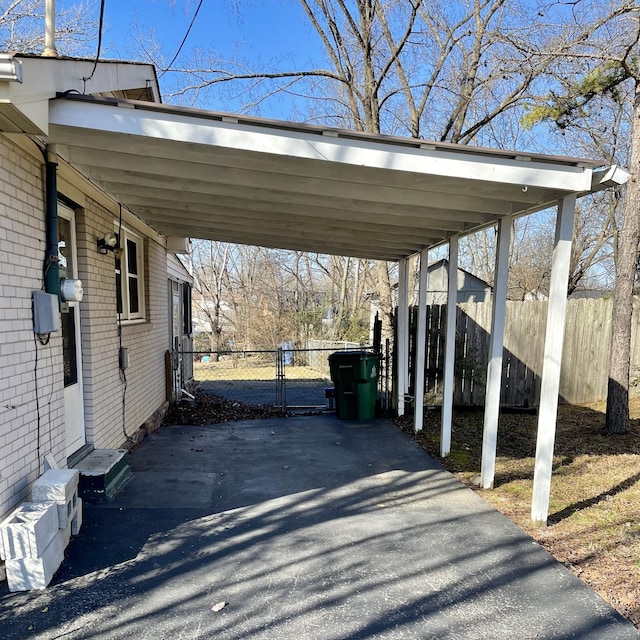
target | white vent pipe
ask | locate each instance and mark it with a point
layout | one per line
(50, 29)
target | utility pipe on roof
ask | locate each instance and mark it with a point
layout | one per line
(50, 30)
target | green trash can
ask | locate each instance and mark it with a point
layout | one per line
(355, 378)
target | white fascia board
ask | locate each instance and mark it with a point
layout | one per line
(280, 141)
(44, 78)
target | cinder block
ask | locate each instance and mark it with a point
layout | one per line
(65, 535)
(76, 523)
(61, 487)
(67, 511)
(56, 485)
(24, 574)
(29, 530)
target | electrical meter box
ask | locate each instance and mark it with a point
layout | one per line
(46, 312)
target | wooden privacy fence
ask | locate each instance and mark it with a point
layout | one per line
(585, 355)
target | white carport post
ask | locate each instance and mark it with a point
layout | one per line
(449, 347)
(552, 362)
(421, 338)
(402, 343)
(496, 345)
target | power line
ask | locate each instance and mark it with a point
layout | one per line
(186, 35)
(95, 62)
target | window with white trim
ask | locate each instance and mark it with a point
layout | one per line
(130, 276)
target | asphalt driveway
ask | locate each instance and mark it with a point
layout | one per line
(302, 528)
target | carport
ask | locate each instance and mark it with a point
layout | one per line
(191, 173)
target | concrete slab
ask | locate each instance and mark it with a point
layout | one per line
(298, 393)
(302, 528)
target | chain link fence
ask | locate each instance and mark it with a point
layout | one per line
(294, 379)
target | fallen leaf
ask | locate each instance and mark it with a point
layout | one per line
(208, 408)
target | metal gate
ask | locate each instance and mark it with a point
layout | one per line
(294, 379)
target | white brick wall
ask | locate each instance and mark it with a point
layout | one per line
(22, 245)
(146, 341)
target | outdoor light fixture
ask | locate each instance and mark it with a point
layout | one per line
(108, 243)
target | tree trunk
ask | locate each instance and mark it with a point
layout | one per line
(628, 242)
(385, 299)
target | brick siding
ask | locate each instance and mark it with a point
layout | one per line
(22, 246)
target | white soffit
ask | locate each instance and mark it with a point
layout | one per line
(200, 174)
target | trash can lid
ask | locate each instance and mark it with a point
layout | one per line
(353, 354)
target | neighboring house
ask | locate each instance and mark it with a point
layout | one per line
(95, 379)
(470, 287)
(590, 294)
(578, 294)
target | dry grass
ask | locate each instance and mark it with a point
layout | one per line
(250, 370)
(594, 522)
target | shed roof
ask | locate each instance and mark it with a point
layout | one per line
(202, 174)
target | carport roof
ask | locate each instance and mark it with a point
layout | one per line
(201, 174)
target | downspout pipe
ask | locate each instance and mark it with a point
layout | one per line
(51, 267)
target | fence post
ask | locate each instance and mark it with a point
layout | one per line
(280, 379)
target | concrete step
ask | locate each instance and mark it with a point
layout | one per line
(102, 474)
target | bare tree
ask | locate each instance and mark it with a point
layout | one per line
(258, 298)
(456, 72)
(610, 71)
(448, 71)
(22, 27)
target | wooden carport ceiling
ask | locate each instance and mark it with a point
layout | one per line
(205, 175)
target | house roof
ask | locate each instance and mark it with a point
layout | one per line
(443, 263)
(203, 174)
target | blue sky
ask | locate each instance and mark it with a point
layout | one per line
(218, 25)
(251, 30)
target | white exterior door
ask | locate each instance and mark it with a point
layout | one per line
(71, 341)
